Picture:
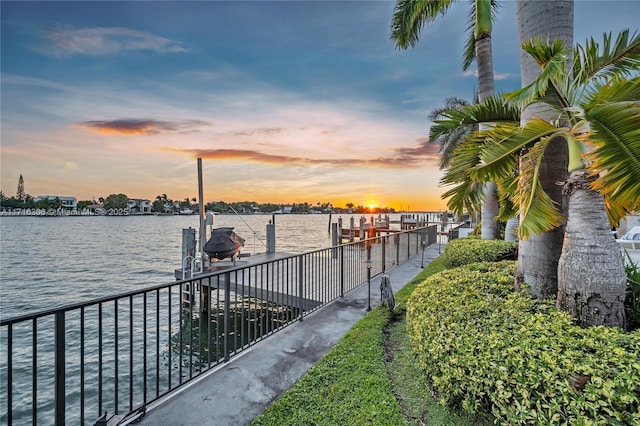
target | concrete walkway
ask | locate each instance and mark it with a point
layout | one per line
(238, 391)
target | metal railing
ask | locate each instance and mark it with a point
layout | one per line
(117, 354)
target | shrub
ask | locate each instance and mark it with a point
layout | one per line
(484, 345)
(463, 251)
(632, 301)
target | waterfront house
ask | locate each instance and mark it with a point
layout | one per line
(70, 203)
(139, 206)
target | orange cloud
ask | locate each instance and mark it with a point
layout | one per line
(404, 158)
(134, 126)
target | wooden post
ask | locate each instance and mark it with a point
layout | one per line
(334, 240)
(352, 226)
(271, 238)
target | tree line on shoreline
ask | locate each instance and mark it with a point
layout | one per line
(165, 205)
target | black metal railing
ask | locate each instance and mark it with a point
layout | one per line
(117, 354)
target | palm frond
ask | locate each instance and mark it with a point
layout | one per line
(551, 58)
(469, 52)
(491, 110)
(465, 196)
(451, 137)
(452, 126)
(615, 134)
(507, 188)
(466, 157)
(467, 193)
(410, 16)
(499, 158)
(538, 212)
(450, 142)
(613, 91)
(449, 103)
(608, 60)
(615, 211)
(508, 208)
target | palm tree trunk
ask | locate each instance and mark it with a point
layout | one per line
(591, 274)
(538, 256)
(544, 19)
(490, 206)
(489, 211)
(484, 59)
(511, 230)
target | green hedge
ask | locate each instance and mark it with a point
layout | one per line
(463, 251)
(484, 345)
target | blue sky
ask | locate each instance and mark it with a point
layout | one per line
(284, 101)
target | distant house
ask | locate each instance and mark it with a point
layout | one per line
(168, 208)
(70, 203)
(139, 206)
(284, 210)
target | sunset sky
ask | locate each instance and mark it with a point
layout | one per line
(284, 101)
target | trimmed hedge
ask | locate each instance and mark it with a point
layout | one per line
(484, 345)
(463, 251)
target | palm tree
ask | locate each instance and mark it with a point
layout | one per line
(596, 104)
(408, 19)
(538, 255)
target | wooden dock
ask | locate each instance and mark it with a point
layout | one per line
(376, 226)
(274, 278)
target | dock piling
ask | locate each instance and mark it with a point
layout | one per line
(271, 237)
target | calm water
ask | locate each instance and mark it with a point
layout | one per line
(51, 261)
(46, 262)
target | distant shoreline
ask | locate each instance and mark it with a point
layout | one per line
(124, 212)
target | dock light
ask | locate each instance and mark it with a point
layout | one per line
(424, 244)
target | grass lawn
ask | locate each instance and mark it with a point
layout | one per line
(369, 377)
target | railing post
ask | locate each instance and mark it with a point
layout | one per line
(368, 277)
(384, 253)
(59, 367)
(227, 302)
(10, 374)
(341, 270)
(301, 286)
(335, 240)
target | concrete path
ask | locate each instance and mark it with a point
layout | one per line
(238, 391)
